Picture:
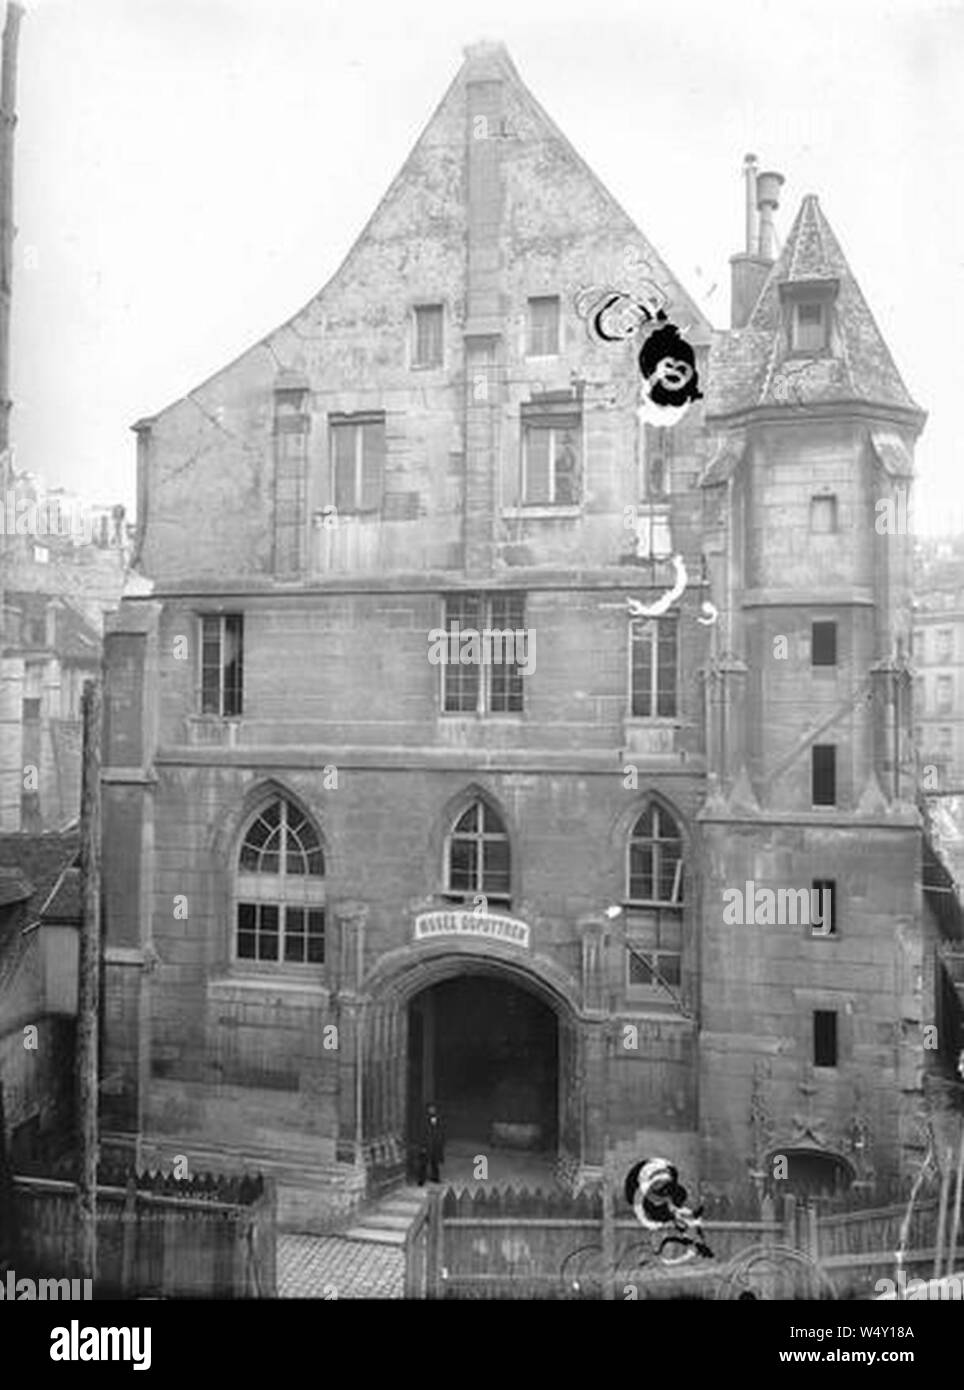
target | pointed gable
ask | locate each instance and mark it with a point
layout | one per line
(766, 364)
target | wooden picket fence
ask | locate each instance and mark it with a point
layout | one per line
(507, 1243)
(208, 1237)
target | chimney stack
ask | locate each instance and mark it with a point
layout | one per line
(749, 268)
(768, 200)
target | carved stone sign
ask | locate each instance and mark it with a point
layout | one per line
(459, 922)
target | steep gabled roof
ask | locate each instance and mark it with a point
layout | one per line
(754, 367)
(442, 145)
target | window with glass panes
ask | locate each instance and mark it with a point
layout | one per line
(655, 870)
(551, 450)
(280, 888)
(654, 668)
(543, 335)
(477, 856)
(654, 950)
(484, 686)
(428, 336)
(222, 663)
(357, 462)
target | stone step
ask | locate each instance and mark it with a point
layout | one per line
(377, 1235)
(387, 1221)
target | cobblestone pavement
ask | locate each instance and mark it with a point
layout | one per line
(349, 1268)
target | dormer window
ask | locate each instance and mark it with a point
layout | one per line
(808, 306)
(810, 326)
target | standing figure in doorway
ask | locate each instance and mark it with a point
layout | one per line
(431, 1152)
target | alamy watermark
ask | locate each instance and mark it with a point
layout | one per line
(768, 907)
(38, 1290)
(487, 646)
(50, 516)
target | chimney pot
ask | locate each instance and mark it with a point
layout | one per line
(768, 187)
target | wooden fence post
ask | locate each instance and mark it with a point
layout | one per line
(956, 1222)
(608, 1228)
(88, 991)
(129, 1236)
(942, 1213)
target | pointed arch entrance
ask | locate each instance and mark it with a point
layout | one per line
(496, 1042)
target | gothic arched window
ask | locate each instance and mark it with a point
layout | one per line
(654, 899)
(477, 859)
(655, 859)
(280, 888)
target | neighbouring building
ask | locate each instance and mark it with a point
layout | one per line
(343, 879)
(63, 564)
(939, 662)
(40, 913)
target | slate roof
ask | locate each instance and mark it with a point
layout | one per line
(40, 861)
(752, 366)
(76, 638)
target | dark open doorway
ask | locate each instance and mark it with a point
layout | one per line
(486, 1052)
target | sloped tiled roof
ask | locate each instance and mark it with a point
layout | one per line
(14, 888)
(752, 367)
(41, 860)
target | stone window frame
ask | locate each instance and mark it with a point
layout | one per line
(304, 891)
(833, 641)
(944, 694)
(815, 1039)
(831, 775)
(229, 703)
(368, 493)
(817, 509)
(484, 690)
(532, 347)
(417, 363)
(816, 884)
(809, 294)
(666, 623)
(483, 807)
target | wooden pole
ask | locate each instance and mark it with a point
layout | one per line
(608, 1227)
(956, 1222)
(942, 1213)
(8, 122)
(88, 993)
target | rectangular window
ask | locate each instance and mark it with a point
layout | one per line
(823, 644)
(428, 336)
(944, 644)
(357, 462)
(810, 327)
(222, 664)
(658, 457)
(920, 695)
(543, 326)
(945, 742)
(654, 662)
(654, 953)
(823, 767)
(31, 710)
(551, 450)
(275, 932)
(824, 1038)
(945, 694)
(485, 629)
(823, 515)
(822, 887)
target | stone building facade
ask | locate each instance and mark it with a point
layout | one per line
(343, 879)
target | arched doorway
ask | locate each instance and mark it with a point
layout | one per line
(485, 1050)
(494, 1038)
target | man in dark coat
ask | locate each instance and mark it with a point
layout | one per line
(432, 1149)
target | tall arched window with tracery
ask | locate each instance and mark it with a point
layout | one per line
(477, 858)
(654, 904)
(280, 888)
